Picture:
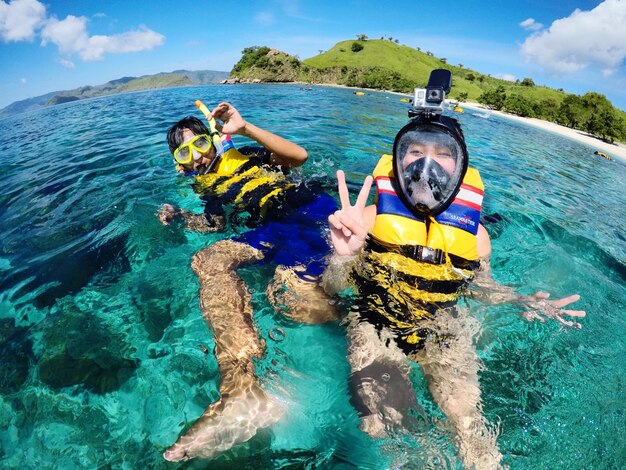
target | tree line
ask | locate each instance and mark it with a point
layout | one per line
(591, 112)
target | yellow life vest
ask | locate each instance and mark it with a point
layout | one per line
(456, 228)
(231, 159)
(249, 185)
(404, 279)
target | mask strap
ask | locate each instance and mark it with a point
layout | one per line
(214, 133)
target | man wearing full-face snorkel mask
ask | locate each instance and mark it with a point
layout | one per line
(410, 257)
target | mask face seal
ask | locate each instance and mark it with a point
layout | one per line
(430, 162)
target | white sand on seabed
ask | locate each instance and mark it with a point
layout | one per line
(615, 151)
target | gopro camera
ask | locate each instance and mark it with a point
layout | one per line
(430, 100)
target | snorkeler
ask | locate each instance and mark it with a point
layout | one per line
(198, 151)
(410, 257)
(287, 220)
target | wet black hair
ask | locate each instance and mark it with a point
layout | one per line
(175, 134)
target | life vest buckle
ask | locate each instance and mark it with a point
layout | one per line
(425, 254)
(416, 252)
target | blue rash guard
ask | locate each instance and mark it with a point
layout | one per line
(288, 220)
(296, 237)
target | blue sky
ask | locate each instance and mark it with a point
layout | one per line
(578, 45)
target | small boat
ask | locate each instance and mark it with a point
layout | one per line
(458, 109)
(358, 92)
(405, 100)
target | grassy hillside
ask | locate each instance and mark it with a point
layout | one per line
(415, 66)
(384, 64)
(378, 53)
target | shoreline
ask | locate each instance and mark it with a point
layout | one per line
(615, 151)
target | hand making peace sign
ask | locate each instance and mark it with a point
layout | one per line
(348, 225)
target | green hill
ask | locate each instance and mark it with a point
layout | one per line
(415, 66)
(378, 53)
(383, 64)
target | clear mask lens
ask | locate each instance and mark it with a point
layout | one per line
(429, 165)
(202, 143)
(193, 149)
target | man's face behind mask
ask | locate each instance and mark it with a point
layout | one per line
(429, 164)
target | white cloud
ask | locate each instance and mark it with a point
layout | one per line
(264, 18)
(20, 19)
(580, 40)
(71, 37)
(143, 39)
(70, 34)
(531, 25)
(23, 81)
(506, 76)
(68, 64)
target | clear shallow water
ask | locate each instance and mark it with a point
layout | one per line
(101, 334)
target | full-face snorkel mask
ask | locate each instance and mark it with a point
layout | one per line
(429, 153)
(429, 162)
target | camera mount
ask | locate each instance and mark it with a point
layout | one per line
(429, 101)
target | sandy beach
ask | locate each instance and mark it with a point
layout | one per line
(615, 151)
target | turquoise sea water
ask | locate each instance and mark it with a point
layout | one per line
(100, 329)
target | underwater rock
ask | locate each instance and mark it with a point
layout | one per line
(82, 348)
(16, 352)
(104, 375)
(67, 272)
(155, 307)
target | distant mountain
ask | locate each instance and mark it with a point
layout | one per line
(120, 85)
(204, 77)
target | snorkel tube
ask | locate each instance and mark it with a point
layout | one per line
(214, 134)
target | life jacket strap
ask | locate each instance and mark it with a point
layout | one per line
(415, 252)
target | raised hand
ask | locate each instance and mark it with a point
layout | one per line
(232, 122)
(348, 229)
(541, 307)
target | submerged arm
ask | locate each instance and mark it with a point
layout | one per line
(204, 223)
(486, 289)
